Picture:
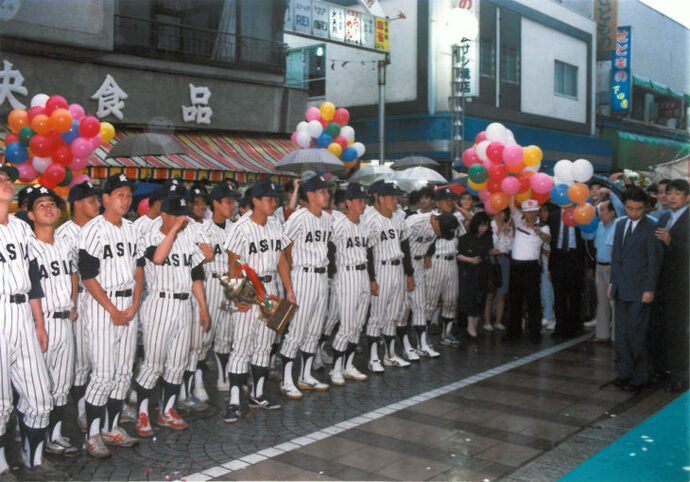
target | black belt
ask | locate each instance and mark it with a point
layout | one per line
(20, 298)
(524, 261)
(120, 294)
(61, 315)
(446, 257)
(417, 258)
(308, 269)
(358, 267)
(175, 296)
(604, 264)
(569, 250)
(266, 279)
(394, 262)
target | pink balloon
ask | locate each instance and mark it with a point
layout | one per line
(27, 173)
(143, 207)
(512, 154)
(78, 163)
(488, 208)
(78, 179)
(77, 111)
(312, 113)
(541, 183)
(510, 185)
(96, 141)
(484, 195)
(293, 139)
(470, 158)
(81, 147)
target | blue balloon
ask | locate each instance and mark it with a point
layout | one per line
(472, 191)
(324, 140)
(349, 154)
(559, 194)
(591, 226)
(16, 153)
(72, 133)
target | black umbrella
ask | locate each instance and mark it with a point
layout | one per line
(414, 161)
(146, 144)
(317, 160)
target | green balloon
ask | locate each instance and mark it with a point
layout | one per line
(68, 178)
(478, 173)
(25, 134)
(333, 129)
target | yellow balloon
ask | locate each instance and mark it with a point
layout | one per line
(107, 132)
(477, 186)
(523, 196)
(335, 149)
(351, 141)
(532, 155)
(327, 111)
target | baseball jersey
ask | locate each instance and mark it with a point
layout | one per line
(14, 256)
(174, 274)
(199, 235)
(217, 236)
(421, 233)
(144, 224)
(385, 236)
(447, 247)
(69, 232)
(310, 234)
(109, 253)
(257, 246)
(56, 263)
(351, 241)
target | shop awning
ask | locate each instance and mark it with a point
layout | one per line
(640, 152)
(657, 87)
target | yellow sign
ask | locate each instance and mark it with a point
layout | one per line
(382, 40)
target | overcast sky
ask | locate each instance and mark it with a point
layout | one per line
(678, 10)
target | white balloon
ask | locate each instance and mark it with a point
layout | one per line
(496, 132)
(347, 132)
(302, 126)
(358, 146)
(510, 138)
(303, 139)
(481, 150)
(557, 180)
(563, 170)
(39, 100)
(314, 128)
(41, 163)
(582, 170)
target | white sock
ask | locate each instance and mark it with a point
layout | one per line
(287, 373)
(423, 343)
(234, 395)
(144, 407)
(3, 460)
(95, 427)
(307, 367)
(406, 343)
(198, 378)
(57, 431)
(81, 406)
(259, 387)
(350, 360)
(374, 355)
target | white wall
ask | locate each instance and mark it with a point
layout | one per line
(541, 47)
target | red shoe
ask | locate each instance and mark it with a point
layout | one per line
(144, 426)
(171, 419)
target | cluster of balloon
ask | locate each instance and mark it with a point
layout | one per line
(326, 127)
(53, 140)
(571, 193)
(498, 168)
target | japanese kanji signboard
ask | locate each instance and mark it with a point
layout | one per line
(606, 17)
(621, 77)
(382, 40)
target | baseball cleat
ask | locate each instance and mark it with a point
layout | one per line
(449, 341)
(337, 377)
(192, 403)
(263, 402)
(232, 414)
(120, 438)
(171, 419)
(395, 361)
(62, 446)
(411, 355)
(96, 448)
(352, 373)
(290, 391)
(375, 366)
(128, 414)
(200, 393)
(429, 351)
(311, 383)
(144, 426)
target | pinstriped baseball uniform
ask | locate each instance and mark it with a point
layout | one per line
(258, 247)
(442, 278)
(56, 263)
(421, 236)
(21, 362)
(69, 232)
(144, 224)
(167, 310)
(222, 320)
(309, 234)
(331, 311)
(352, 288)
(385, 235)
(111, 348)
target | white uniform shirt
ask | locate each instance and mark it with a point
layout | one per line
(350, 240)
(448, 247)
(385, 236)
(526, 244)
(69, 232)
(502, 241)
(14, 257)
(56, 263)
(174, 275)
(421, 233)
(257, 246)
(217, 236)
(144, 224)
(310, 235)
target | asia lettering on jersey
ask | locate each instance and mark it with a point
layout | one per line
(385, 236)
(174, 274)
(258, 246)
(310, 234)
(216, 235)
(350, 241)
(14, 254)
(56, 263)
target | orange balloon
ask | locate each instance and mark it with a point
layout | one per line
(515, 168)
(61, 120)
(523, 196)
(583, 214)
(18, 119)
(41, 124)
(499, 201)
(578, 193)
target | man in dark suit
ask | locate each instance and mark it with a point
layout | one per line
(635, 264)
(672, 288)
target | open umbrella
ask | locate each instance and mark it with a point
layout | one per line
(414, 161)
(369, 174)
(318, 160)
(417, 177)
(147, 144)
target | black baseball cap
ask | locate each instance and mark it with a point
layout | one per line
(265, 188)
(356, 191)
(116, 181)
(315, 183)
(175, 205)
(374, 186)
(82, 191)
(39, 192)
(198, 191)
(11, 171)
(447, 223)
(222, 191)
(444, 193)
(24, 192)
(389, 188)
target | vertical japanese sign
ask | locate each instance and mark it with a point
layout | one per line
(382, 38)
(606, 17)
(302, 15)
(336, 23)
(621, 78)
(352, 27)
(319, 19)
(368, 31)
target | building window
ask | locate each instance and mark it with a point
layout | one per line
(306, 69)
(565, 79)
(510, 65)
(486, 58)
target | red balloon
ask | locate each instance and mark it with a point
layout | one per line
(62, 154)
(89, 126)
(41, 146)
(494, 151)
(341, 116)
(11, 138)
(498, 172)
(493, 185)
(541, 198)
(55, 102)
(44, 181)
(55, 173)
(470, 157)
(341, 141)
(480, 137)
(34, 111)
(568, 216)
(524, 183)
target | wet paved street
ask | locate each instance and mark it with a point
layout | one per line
(486, 410)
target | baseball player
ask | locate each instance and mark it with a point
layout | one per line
(257, 241)
(22, 200)
(21, 364)
(111, 269)
(144, 224)
(390, 274)
(442, 276)
(172, 271)
(352, 289)
(309, 230)
(84, 201)
(57, 266)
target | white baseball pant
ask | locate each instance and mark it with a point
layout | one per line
(310, 290)
(442, 282)
(352, 289)
(59, 356)
(417, 298)
(387, 307)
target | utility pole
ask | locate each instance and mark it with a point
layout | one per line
(382, 107)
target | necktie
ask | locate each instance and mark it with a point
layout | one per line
(628, 232)
(566, 233)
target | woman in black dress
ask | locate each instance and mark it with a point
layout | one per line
(473, 249)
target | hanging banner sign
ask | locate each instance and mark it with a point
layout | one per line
(621, 78)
